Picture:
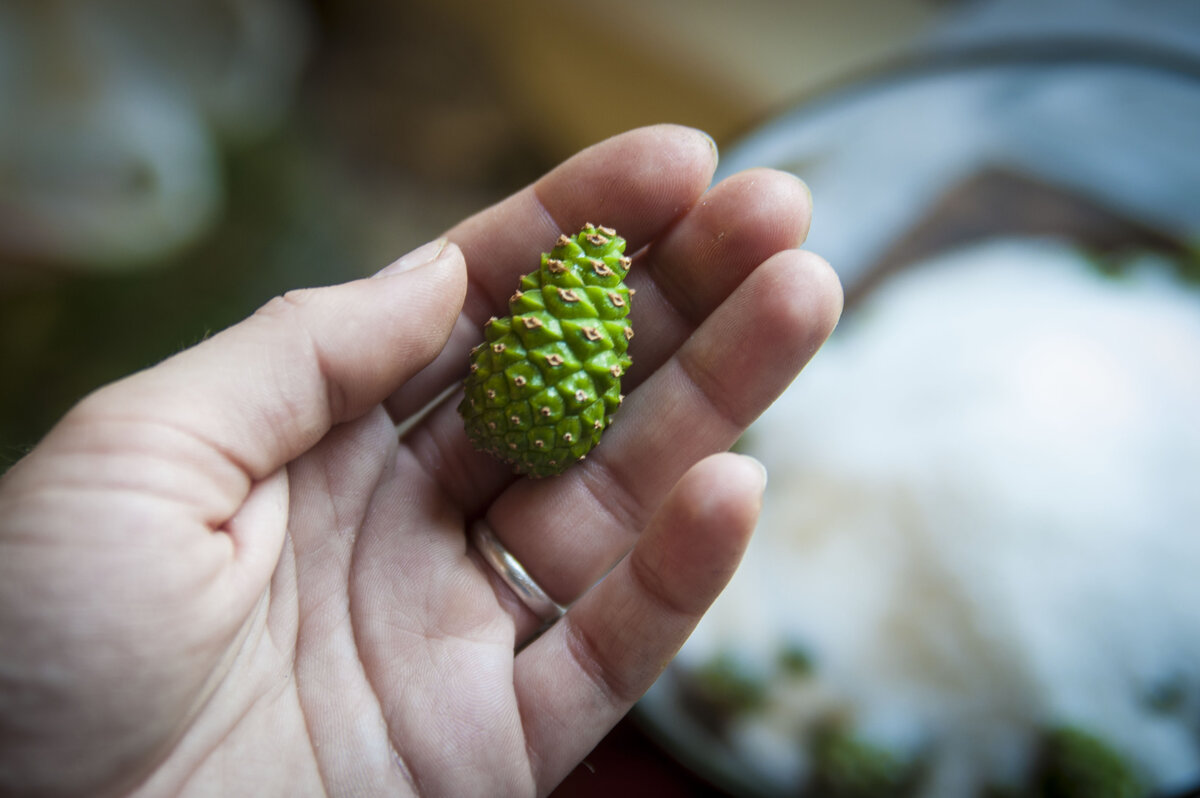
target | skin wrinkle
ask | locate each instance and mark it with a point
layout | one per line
(143, 492)
(789, 315)
(356, 521)
(720, 241)
(276, 613)
(703, 382)
(395, 733)
(357, 633)
(423, 346)
(589, 652)
(654, 587)
(591, 662)
(656, 320)
(301, 704)
(447, 368)
(265, 699)
(238, 493)
(619, 501)
(537, 767)
(395, 757)
(128, 436)
(302, 618)
(247, 638)
(427, 445)
(336, 402)
(459, 472)
(53, 494)
(669, 292)
(376, 708)
(426, 631)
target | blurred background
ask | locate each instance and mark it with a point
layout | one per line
(165, 168)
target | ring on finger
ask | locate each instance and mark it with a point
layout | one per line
(510, 570)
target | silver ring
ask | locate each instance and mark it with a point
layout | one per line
(514, 574)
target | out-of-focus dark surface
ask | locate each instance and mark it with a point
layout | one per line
(628, 762)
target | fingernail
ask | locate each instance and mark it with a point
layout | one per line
(712, 143)
(422, 255)
(761, 467)
(807, 190)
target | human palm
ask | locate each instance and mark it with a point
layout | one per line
(229, 575)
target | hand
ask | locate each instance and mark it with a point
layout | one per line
(227, 575)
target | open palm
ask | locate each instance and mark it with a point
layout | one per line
(229, 575)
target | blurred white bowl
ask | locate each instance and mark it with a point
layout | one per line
(981, 520)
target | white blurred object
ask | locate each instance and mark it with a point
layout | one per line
(981, 523)
(981, 517)
(1101, 99)
(114, 112)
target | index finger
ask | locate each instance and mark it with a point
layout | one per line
(640, 183)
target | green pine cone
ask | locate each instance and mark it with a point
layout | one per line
(546, 381)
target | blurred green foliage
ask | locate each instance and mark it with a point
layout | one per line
(796, 660)
(844, 766)
(729, 686)
(1076, 764)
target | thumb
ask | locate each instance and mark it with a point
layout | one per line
(267, 389)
